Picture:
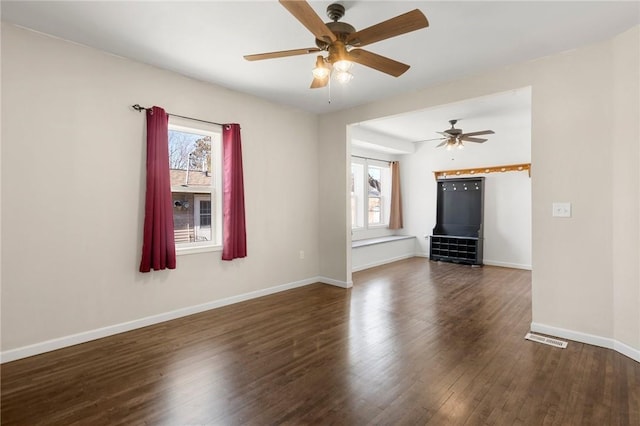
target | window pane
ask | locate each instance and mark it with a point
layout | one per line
(183, 217)
(192, 217)
(376, 189)
(357, 195)
(375, 216)
(189, 159)
(374, 181)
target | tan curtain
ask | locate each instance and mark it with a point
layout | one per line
(395, 218)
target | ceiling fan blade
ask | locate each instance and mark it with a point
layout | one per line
(443, 143)
(319, 82)
(429, 140)
(378, 62)
(304, 13)
(470, 139)
(401, 24)
(482, 132)
(280, 54)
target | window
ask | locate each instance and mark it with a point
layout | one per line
(357, 195)
(374, 193)
(195, 165)
(370, 193)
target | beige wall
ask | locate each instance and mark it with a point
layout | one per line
(69, 139)
(335, 242)
(72, 191)
(578, 99)
(625, 193)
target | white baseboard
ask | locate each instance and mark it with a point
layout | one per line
(86, 336)
(331, 281)
(381, 262)
(506, 264)
(490, 262)
(626, 350)
(603, 342)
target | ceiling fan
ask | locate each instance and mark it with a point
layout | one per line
(342, 42)
(454, 137)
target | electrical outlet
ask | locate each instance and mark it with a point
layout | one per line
(561, 210)
(301, 254)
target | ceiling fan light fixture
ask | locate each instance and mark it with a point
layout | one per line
(459, 145)
(321, 71)
(343, 43)
(343, 65)
(344, 77)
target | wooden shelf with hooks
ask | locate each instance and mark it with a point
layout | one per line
(482, 170)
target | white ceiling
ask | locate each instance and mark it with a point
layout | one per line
(500, 112)
(207, 40)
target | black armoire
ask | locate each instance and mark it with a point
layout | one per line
(457, 236)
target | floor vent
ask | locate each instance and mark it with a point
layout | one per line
(546, 340)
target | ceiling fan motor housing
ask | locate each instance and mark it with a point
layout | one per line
(340, 29)
(453, 131)
(335, 11)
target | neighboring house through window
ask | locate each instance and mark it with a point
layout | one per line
(195, 164)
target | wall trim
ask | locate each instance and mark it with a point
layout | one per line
(506, 264)
(87, 336)
(382, 262)
(490, 263)
(331, 281)
(590, 339)
(366, 242)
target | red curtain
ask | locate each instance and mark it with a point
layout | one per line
(234, 230)
(158, 246)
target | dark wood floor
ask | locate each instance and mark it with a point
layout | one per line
(414, 342)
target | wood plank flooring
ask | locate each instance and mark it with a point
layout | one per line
(414, 342)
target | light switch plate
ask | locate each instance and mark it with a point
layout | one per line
(561, 210)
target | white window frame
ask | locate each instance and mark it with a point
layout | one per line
(384, 222)
(385, 195)
(361, 207)
(215, 190)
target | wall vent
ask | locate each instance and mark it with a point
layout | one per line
(546, 340)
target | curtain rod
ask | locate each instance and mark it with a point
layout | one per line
(139, 108)
(369, 158)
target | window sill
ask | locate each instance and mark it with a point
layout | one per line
(380, 240)
(195, 250)
(370, 227)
